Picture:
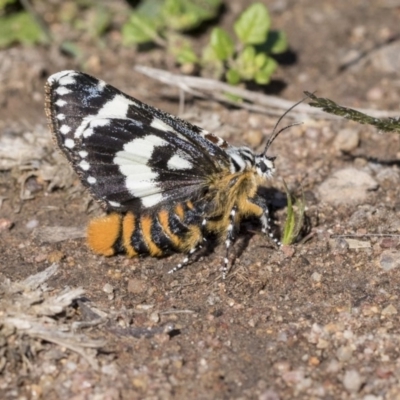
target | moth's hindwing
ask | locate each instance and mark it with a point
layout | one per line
(131, 156)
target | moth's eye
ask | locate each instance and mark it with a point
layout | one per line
(262, 166)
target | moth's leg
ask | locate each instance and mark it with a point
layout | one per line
(230, 236)
(265, 219)
(194, 235)
(186, 260)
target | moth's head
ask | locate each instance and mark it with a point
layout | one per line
(265, 166)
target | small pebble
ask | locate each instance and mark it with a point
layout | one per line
(347, 186)
(352, 381)
(55, 256)
(333, 367)
(32, 224)
(316, 277)
(269, 395)
(5, 224)
(322, 344)
(389, 259)
(136, 286)
(344, 353)
(314, 361)
(347, 140)
(387, 58)
(293, 377)
(375, 93)
(389, 310)
(107, 288)
(371, 397)
(282, 366)
(154, 317)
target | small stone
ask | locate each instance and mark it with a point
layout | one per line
(288, 250)
(140, 382)
(41, 257)
(387, 58)
(352, 381)
(251, 322)
(32, 224)
(371, 397)
(5, 224)
(154, 317)
(36, 392)
(388, 175)
(347, 140)
(334, 367)
(322, 344)
(389, 310)
(358, 244)
(375, 93)
(282, 336)
(344, 353)
(389, 260)
(269, 395)
(282, 366)
(107, 288)
(136, 286)
(293, 377)
(347, 186)
(55, 256)
(314, 361)
(316, 277)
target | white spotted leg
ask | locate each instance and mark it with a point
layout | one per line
(266, 227)
(230, 236)
(186, 260)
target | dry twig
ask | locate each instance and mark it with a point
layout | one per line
(270, 105)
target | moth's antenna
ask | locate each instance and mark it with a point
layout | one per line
(275, 134)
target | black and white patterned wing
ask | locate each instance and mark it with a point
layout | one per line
(131, 156)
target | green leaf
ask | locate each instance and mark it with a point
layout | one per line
(71, 49)
(139, 29)
(19, 28)
(233, 97)
(186, 56)
(253, 24)
(222, 44)
(181, 48)
(263, 75)
(182, 15)
(276, 43)
(99, 21)
(211, 65)
(151, 9)
(261, 60)
(232, 76)
(247, 56)
(294, 219)
(245, 63)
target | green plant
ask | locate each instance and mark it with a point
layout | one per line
(329, 106)
(246, 59)
(249, 59)
(154, 20)
(18, 26)
(294, 219)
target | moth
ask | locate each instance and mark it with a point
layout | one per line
(165, 184)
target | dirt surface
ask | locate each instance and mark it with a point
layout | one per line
(317, 320)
